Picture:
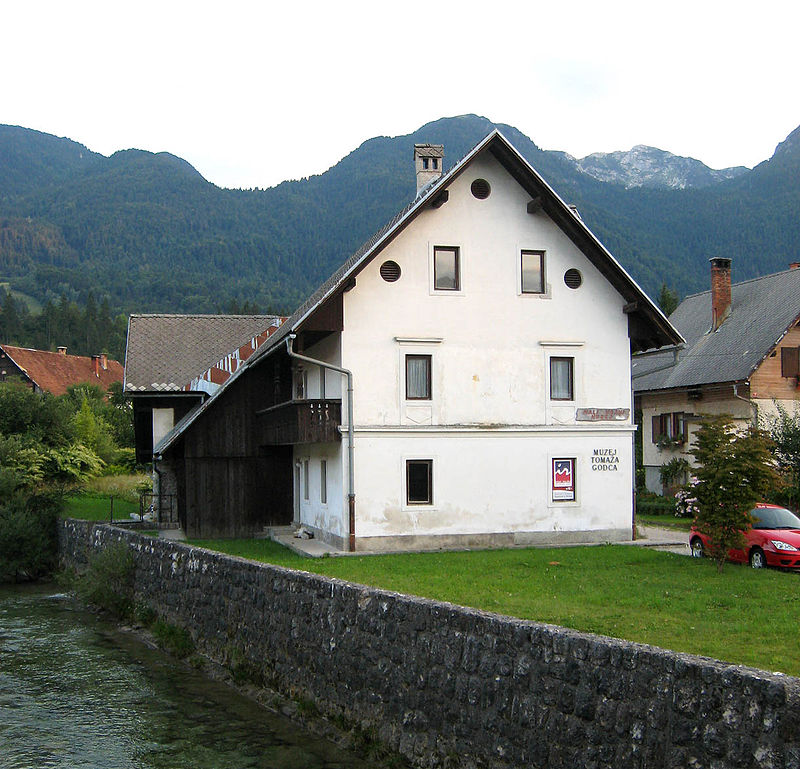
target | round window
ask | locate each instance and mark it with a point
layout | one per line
(573, 278)
(390, 271)
(481, 189)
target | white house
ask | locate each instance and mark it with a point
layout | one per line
(486, 335)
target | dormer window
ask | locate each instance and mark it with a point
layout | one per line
(435, 162)
(424, 164)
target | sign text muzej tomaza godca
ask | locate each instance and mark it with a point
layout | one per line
(605, 460)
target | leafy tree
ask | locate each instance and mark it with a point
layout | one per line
(784, 429)
(667, 300)
(735, 471)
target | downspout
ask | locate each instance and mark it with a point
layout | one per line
(351, 491)
(749, 402)
(156, 459)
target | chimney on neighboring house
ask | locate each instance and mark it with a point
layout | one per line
(103, 361)
(62, 350)
(720, 290)
(96, 365)
(794, 265)
(428, 163)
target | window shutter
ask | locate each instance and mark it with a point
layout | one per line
(790, 361)
(656, 428)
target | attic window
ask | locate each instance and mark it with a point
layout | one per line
(390, 271)
(481, 189)
(435, 163)
(425, 163)
(573, 278)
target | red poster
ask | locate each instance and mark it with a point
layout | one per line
(564, 480)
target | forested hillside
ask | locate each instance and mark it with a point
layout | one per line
(147, 233)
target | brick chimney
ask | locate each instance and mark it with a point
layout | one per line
(720, 291)
(428, 163)
(794, 265)
(103, 361)
(96, 365)
(62, 350)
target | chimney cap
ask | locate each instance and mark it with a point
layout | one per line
(429, 150)
(720, 262)
(794, 265)
(62, 350)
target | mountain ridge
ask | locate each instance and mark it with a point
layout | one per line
(148, 231)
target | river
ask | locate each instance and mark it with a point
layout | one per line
(77, 693)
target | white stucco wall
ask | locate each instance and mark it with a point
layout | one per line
(490, 347)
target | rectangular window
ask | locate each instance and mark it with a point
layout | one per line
(418, 377)
(300, 384)
(419, 481)
(790, 361)
(321, 383)
(446, 268)
(323, 481)
(305, 480)
(561, 379)
(532, 272)
(678, 426)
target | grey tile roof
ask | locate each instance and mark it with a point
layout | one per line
(164, 352)
(762, 310)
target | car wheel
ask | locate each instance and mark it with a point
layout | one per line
(757, 558)
(697, 547)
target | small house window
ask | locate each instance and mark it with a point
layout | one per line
(532, 272)
(425, 163)
(418, 377)
(435, 163)
(561, 379)
(446, 268)
(323, 481)
(419, 481)
(669, 428)
(790, 361)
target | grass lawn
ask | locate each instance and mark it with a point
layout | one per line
(742, 615)
(93, 507)
(665, 521)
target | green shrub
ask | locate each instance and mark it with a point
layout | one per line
(648, 503)
(108, 582)
(28, 535)
(176, 640)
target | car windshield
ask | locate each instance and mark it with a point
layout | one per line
(774, 518)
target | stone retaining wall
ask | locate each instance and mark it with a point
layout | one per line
(450, 686)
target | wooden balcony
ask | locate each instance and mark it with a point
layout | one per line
(300, 421)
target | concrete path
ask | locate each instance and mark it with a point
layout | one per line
(670, 540)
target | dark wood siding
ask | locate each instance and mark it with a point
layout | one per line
(233, 485)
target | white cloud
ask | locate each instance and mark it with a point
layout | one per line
(252, 94)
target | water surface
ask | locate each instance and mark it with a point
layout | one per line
(75, 693)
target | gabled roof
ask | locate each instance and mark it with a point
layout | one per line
(54, 372)
(649, 326)
(762, 310)
(165, 352)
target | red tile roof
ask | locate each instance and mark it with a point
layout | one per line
(54, 372)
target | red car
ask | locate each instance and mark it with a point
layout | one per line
(774, 539)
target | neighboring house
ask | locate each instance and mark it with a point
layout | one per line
(740, 358)
(173, 362)
(54, 372)
(483, 337)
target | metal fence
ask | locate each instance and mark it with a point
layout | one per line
(161, 508)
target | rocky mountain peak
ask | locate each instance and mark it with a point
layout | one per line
(645, 166)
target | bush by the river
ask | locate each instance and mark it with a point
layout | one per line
(49, 446)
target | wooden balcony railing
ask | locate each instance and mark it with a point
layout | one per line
(301, 421)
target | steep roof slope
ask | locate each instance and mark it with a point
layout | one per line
(648, 326)
(54, 372)
(762, 310)
(165, 352)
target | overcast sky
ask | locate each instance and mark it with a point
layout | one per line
(252, 94)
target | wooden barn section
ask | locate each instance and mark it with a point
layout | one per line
(232, 467)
